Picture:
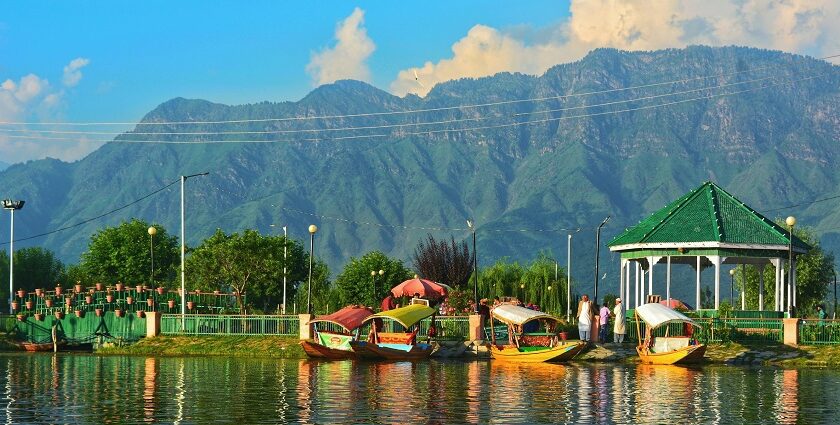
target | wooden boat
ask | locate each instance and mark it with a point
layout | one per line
(34, 346)
(396, 345)
(532, 346)
(665, 349)
(336, 345)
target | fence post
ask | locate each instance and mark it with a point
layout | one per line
(791, 331)
(305, 326)
(152, 324)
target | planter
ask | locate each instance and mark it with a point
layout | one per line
(160, 290)
(171, 303)
(80, 313)
(190, 305)
(29, 305)
(21, 293)
(39, 292)
(141, 314)
(99, 286)
(120, 287)
(21, 317)
(57, 290)
(139, 288)
(59, 314)
(48, 302)
(150, 302)
(15, 305)
(39, 317)
(109, 298)
(92, 291)
(198, 291)
(118, 312)
(129, 300)
(98, 312)
(77, 288)
(88, 299)
(217, 292)
(68, 302)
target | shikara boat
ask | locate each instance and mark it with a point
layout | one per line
(666, 349)
(530, 345)
(396, 345)
(336, 345)
(34, 346)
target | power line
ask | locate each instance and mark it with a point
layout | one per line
(414, 111)
(97, 217)
(803, 203)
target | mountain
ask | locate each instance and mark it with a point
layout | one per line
(771, 147)
(3, 165)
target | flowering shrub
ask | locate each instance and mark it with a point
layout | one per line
(458, 303)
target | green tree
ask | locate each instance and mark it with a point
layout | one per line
(501, 279)
(123, 254)
(248, 262)
(541, 287)
(325, 296)
(813, 272)
(355, 282)
(36, 267)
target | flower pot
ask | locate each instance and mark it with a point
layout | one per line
(171, 303)
(80, 313)
(39, 292)
(99, 286)
(68, 301)
(29, 305)
(88, 299)
(120, 287)
(150, 302)
(217, 292)
(92, 291)
(160, 290)
(198, 291)
(118, 312)
(77, 288)
(15, 305)
(109, 298)
(59, 314)
(98, 312)
(141, 314)
(48, 302)
(138, 288)
(39, 317)
(190, 305)
(57, 290)
(21, 317)
(21, 293)
(129, 300)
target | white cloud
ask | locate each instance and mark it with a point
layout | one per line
(800, 26)
(73, 71)
(347, 59)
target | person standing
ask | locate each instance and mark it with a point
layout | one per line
(604, 316)
(389, 303)
(620, 325)
(584, 316)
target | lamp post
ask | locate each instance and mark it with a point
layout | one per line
(732, 288)
(312, 229)
(598, 256)
(470, 224)
(152, 232)
(285, 249)
(790, 221)
(834, 312)
(11, 205)
(184, 253)
(373, 276)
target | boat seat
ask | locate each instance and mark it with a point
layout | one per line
(396, 337)
(542, 340)
(664, 344)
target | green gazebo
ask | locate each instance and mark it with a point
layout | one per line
(703, 228)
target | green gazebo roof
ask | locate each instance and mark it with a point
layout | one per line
(709, 216)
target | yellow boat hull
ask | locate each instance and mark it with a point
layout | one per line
(690, 354)
(557, 353)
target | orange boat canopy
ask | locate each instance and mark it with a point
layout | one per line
(349, 318)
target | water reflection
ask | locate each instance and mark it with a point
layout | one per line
(90, 389)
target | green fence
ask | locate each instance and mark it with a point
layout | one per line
(819, 332)
(211, 324)
(716, 331)
(79, 329)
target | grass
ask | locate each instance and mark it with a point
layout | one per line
(240, 346)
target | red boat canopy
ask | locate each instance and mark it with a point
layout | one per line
(426, 289)
(349, 318)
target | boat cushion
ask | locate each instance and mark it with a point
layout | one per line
(665, 344)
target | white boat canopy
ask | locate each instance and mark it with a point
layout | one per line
(656, 315)
(515, 315)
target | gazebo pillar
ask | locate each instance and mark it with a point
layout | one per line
(626, 296)
(782, 287)
(638, 275)
(621, 278)
(697, 293)
(668, 281)
(651, 262)
(776, 275)
(760, 268)
(743, 286)
(716, 261)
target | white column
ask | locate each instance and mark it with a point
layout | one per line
(668, 281)
(716, 261)
(777, 290)
(743, 286)
(782, 285)
(760, 268)
(793, 284)
(627, 301)
(638, 277)
(622, 263)
(697, 293)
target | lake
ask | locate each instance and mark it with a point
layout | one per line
(78, 388)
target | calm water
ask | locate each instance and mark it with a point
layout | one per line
(90, 389)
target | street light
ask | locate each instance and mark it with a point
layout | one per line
(152, 232)
(475, 266)
(732, 288)
(11, 205)
(569, 277)
(373, 275)
(184, 253)
(312, 229)
(790, 221)
(285, 246)
(598, 256)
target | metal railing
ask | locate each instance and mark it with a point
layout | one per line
(819, 332)
(211, 324)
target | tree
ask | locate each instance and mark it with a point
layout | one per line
(35, 267)
(123, 254)
(450, 263)
(541, 287)
(501, 279)
(325, 296)
(355, 282)
(248, 262)
(813, 272)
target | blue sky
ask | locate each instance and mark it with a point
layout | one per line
(114, 61)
